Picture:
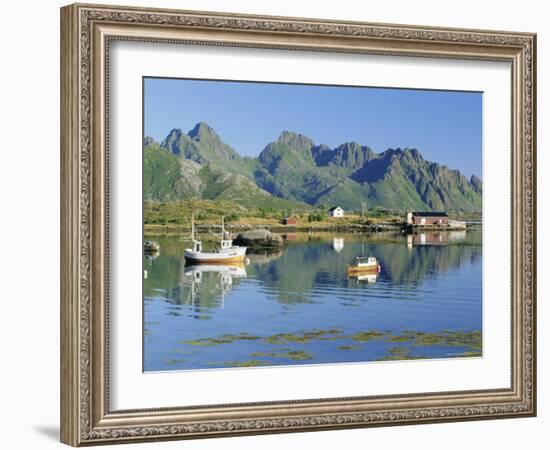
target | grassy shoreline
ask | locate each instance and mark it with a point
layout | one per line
(172, 218)
(171, 230)
(160, 230)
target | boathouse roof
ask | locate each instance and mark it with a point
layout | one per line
(429, 214)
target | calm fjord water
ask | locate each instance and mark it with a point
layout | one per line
(298, 306)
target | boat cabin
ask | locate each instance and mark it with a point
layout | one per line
(197, 246)
(366, 261)
(226, 244)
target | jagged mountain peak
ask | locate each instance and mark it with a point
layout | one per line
(148, 140)
(476, 183)
(293, 168)
(349, 155)
(413, 152)
(172, 141)
(295, 140)
(175, 132)
(349, 145)
(202, 130)
(201, 144)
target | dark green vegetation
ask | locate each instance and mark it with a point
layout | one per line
(304, 337)
(366, 336)
(468, 344)
(294, 355)
(399, 354)
(223, 339)
(251, 363)
(471, 341)
(349, 347)
(295, 173)
(446, 338)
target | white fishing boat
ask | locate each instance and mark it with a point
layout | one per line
(227, 253)
(364, 264)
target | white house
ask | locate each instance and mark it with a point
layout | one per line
(336, 211)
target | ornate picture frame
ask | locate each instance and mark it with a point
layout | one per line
(87, 31)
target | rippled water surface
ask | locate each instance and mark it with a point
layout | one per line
(298, 306)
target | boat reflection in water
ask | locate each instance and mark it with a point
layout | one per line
(368, 278)
(366, 269)
(435, 238)
(224, 275)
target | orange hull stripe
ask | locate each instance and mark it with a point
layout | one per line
(362, 269)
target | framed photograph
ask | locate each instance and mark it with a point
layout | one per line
(278, 224)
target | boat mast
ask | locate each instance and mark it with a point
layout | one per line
(193, 227)
(225, 241)
(197, 245)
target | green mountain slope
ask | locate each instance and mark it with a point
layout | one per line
(161, 174)
(203, 145)
(169, 177)
(293, 171)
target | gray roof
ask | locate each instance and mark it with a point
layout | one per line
(429, 214)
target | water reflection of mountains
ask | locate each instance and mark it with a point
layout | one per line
(302, 267)
(291, 276)
(197, 286)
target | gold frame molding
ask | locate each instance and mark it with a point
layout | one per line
(86, 31)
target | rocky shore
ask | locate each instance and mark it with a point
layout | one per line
(259, 238)
(259, 231)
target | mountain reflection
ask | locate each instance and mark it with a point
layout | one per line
(309, 264)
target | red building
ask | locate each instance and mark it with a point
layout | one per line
(427, 218)
(290, 221)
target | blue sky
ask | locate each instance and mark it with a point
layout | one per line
(445, 126)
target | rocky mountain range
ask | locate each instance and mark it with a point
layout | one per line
(294, 171)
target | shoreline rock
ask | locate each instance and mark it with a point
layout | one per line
(259, 238)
